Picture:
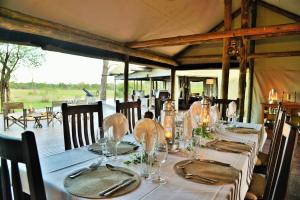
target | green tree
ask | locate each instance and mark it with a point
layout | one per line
(11, 58)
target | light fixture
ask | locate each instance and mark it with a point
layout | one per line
(273, 96)
(234, 47)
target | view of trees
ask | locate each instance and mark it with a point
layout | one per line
(11, 58)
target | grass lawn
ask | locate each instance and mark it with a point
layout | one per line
(40, 98)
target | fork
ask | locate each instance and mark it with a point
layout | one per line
(92, 167)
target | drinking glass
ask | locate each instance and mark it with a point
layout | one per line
(160, 156)
(114, 140)
(148, 144)
(102, 142)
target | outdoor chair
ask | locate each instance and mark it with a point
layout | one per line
(158, 107)
(11, 117)
(78, 124)
(132, 111)
(54, 112)
(223, 105)
(20, 151)
(274, 184)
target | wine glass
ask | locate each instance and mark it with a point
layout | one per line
(101, 141)
(160, 156)
(115, 139)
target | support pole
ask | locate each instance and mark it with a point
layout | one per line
(251, 61)
(225, 57)
(243, 58)
(126, 70)
(173, 84)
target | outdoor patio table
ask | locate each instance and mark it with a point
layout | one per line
(56, 167)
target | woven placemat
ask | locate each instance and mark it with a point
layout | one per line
(89, 184)
(243, 130)
(230, 146)
(123, 148)
(222, 174)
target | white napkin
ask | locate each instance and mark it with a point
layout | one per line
(146, 131)
(187, 125)
(215, 114)
(231, 111)
(118, 122)
(195, 113)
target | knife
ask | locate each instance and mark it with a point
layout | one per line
(127, 183)
(113, 168)
(113, 187)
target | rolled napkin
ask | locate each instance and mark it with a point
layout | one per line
(146, 131)
(187, 126)
(119, 124)
(231, 111)
(195, 113)
(214, 114)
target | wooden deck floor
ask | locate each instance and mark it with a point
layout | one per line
(50, 141)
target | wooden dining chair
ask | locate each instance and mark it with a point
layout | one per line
(223, 105)
(132, 111)
(158, 105)
(20, 151)
(78, 124)
(263, 158)
(273, 186)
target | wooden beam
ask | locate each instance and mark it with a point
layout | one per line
(225, 56)
(126, 74)
(214, 29)
(173, 71)
(15, 21)
(251, 61)
(243, 58)
(274, 54)
(257, 33)
(200, 66)
(218, 57)
(280, 11)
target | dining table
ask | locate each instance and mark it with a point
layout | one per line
(58, 166)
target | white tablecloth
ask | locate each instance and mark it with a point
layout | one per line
(55, 168)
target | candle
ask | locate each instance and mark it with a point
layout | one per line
(168, 134)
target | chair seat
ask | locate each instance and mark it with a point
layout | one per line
(257, 187)
(262, 159)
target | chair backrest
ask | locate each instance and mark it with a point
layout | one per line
(20, 151)
(158, 105)
(8, 106)
(273, 153)
(276, 185)
(132, 111)
(223, 105)
(78, 135)
(278, 122)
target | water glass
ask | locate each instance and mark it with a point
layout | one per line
(160, 156)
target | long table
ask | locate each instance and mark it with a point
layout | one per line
(56, 167)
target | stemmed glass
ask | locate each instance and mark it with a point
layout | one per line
(160, 156)
(114, 139)
(101, 141)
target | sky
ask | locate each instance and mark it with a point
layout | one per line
(62, 68)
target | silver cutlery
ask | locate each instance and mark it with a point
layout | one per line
(210, 180)
(113, 187)
(127, 183)
(78, 172)
(113, 168)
